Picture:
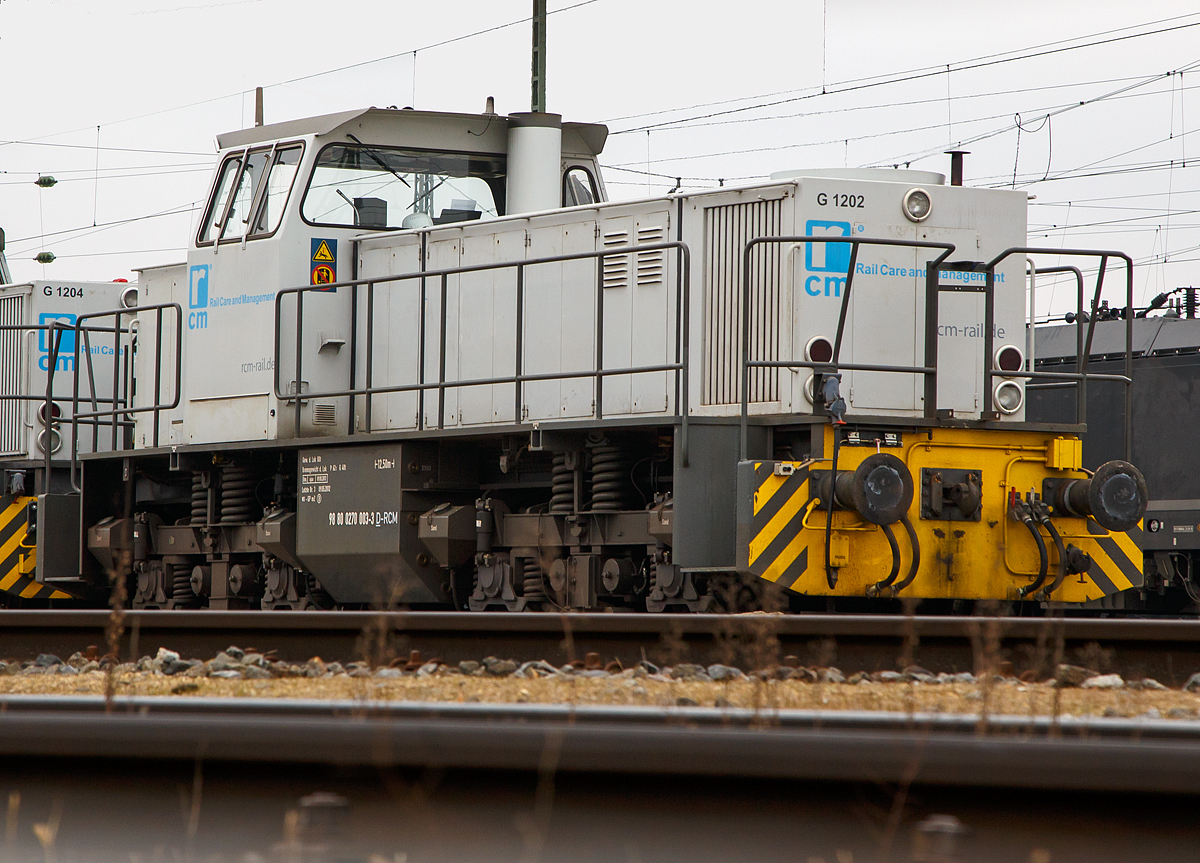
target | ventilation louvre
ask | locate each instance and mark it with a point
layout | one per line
(10, 376)
(324, 415)
(727, 229)
(650, 264)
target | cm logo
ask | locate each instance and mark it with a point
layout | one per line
(826, 258)
(198, 296)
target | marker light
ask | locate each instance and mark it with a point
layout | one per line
(818, 350)
(56, 412)
(1009, 358)
(917, 205)
(1008, 396)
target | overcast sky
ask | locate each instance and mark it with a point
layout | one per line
(729, 91)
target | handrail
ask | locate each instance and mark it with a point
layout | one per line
(120, 414)
(54, 331)
(1084, 351)
(598, 373)
(928, 371)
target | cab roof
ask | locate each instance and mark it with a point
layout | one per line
(425, 129)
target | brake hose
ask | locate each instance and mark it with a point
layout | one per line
(879, 586)
(830, 573)
(1043, 558)
(1062, 558)
(916, 556)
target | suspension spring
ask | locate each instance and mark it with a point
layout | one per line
(237, 494)
(199, 499)
(609, 478)
(181, 586)
(533, 588)
(562, 485)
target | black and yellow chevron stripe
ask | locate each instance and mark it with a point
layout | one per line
(18, 561)
(778, 548)
(1118, 563)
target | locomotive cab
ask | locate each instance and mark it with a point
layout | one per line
(288, 203)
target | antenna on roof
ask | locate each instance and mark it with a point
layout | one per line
(258, 106)
(539, 57)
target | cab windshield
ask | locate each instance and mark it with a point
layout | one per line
(381, 187)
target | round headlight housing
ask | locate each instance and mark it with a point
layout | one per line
(917, 205)
(1009, 358)
(1008, 397)
(819, 350)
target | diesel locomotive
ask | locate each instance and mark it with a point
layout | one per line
(418, 359)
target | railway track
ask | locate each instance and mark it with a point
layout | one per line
(1097, 754)
(358, 781)
(1167, 650)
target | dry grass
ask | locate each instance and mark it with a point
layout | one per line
(1002, 698)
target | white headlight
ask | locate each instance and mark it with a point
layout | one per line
(917, 205)
(1008, 396)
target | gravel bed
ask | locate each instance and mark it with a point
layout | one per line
(1074, 691)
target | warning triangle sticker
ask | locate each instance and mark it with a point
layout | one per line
(323, 254)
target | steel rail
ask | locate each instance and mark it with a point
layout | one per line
(1096, 754)
(1168, 650)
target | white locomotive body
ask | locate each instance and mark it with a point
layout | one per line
(423, 360)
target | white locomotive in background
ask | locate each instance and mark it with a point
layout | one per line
(418, 358)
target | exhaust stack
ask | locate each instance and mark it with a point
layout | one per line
(534, 162)
(956, 165)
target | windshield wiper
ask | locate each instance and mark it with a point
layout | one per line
(378, 161)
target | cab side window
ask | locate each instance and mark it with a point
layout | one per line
(579, 187)
(251, 193)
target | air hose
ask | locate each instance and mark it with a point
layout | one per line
(1023, 513)
(830, 572)
(916, 556)
(1062, 558)
(879, 586)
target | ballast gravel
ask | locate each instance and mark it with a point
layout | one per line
(1074, 691)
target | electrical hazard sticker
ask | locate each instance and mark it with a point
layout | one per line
(324, 261)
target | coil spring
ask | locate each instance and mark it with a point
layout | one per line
(608, 478)
(562, 485)
(317, 595)
(199, 499)
(533, 588)
(181, 585)
(237, 494)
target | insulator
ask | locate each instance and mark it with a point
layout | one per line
(199, 500)
(562, 485)
(237, 494)
(609, 478)
(533, 588)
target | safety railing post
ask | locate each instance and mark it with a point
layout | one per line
(370, 365)
(519, 353)
(599, 387)
(442, 356)
(116, 372)
(299, 357)
(158, 321)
